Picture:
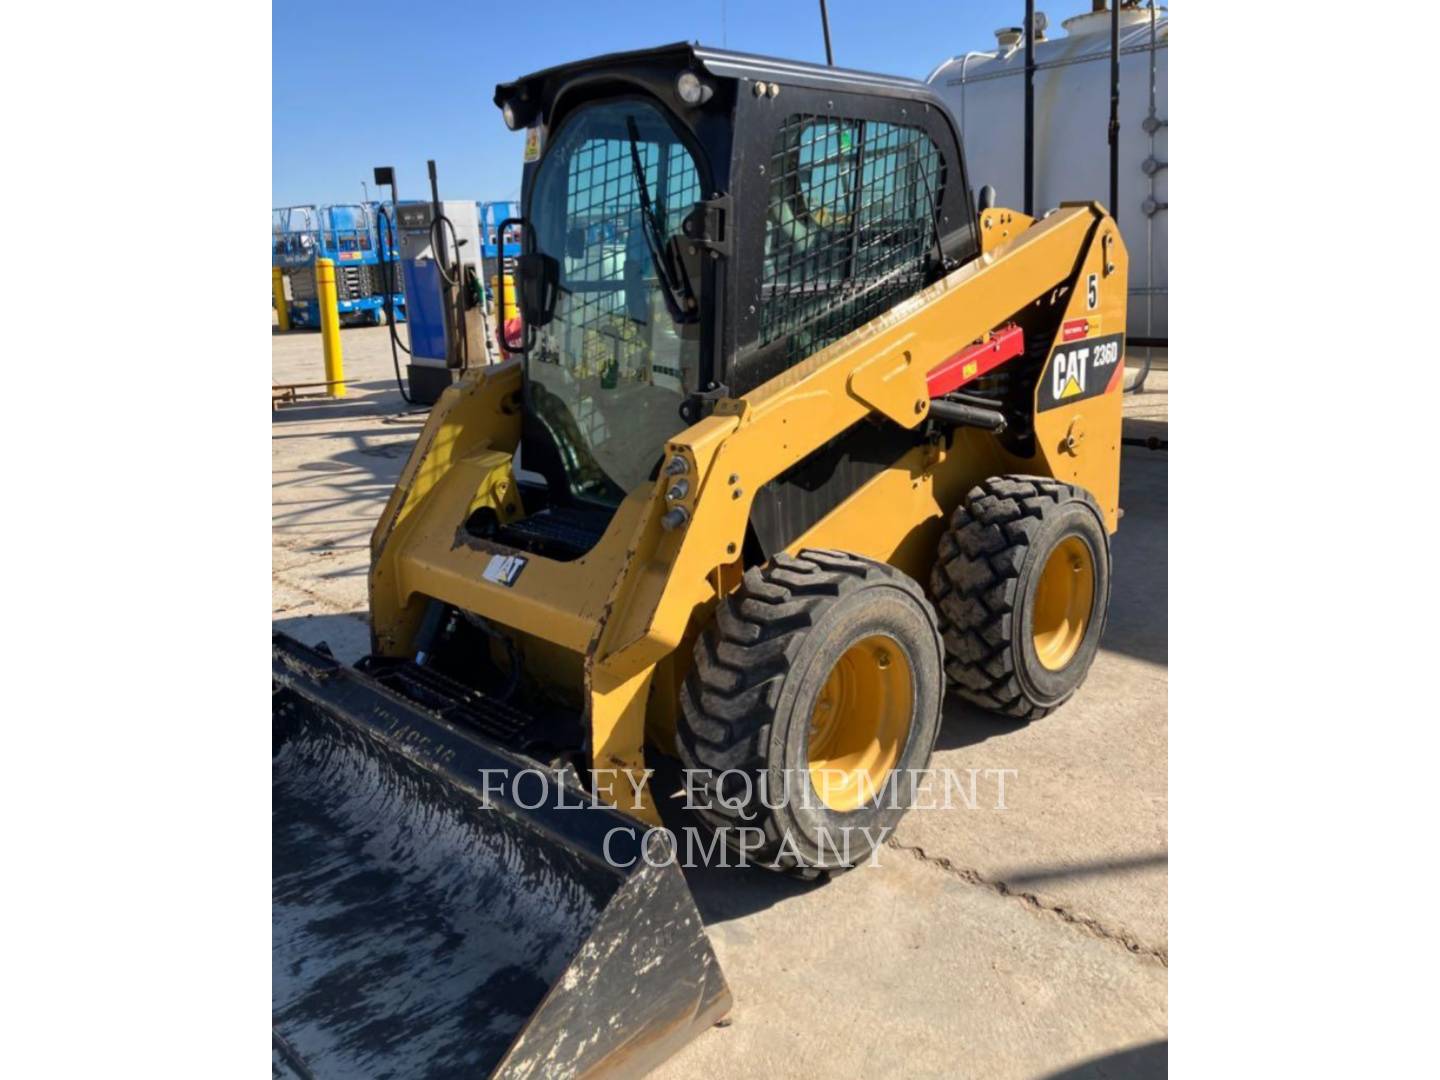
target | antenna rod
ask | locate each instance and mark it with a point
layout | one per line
(825, 24)
(1030, 108)
(1114, 206)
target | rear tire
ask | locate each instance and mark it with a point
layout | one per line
(821, 661)
(1022, 585)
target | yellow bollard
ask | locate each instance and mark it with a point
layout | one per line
(512, 308)
(330, 326)
(282, 309)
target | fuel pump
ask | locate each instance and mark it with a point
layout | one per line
(441, 259)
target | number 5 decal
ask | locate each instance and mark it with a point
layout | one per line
(1092, 291)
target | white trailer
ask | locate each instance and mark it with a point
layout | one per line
(986, 93)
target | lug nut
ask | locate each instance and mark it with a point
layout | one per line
(678, 490)
(677, 466)
(674, 518)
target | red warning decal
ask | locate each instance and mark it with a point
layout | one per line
(1075, 329)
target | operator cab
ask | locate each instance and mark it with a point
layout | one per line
(694, 223)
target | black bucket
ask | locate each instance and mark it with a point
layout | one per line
(426, 923)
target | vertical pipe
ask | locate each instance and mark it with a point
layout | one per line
(277, 287)
(330, 326)
(1030, 107)
(1114, 206)
(435, 212)
(825, 25)
(1139, 387)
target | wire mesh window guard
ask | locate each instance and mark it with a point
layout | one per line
(850, 222)
(609, 370)
(605, 249)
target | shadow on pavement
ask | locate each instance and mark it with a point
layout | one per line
(1034, 875)
(310, 410)
(1139, 591)
(344, 490)
(721, 893)
(963, 724)
(1137, 1062)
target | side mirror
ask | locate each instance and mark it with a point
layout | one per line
(986, 199)
(537, 280)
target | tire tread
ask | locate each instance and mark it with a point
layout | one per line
(729, 697)
(975, 585)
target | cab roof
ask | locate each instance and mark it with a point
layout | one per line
(719, 63)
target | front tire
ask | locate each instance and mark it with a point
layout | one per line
(1022, 584)
(813, 702)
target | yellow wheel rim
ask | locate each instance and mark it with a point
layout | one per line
(860, 722)
(1064, 602)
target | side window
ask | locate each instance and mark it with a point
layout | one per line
(609, 370)
(606, 261)
(848, 226)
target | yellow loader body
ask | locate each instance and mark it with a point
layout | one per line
(605, 630)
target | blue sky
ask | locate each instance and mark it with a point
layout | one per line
(361, 84)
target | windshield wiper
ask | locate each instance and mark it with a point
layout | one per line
(679, 301)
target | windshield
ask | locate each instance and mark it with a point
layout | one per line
(609, 371)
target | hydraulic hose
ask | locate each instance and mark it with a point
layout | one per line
(955, 412)
(1139, 384)
(976, 400)
(387, 282)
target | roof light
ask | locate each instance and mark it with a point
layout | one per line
(691, 90)
(511, 121)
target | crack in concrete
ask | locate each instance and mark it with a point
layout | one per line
(1160, 954)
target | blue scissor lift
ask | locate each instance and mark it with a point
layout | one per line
(344, 233)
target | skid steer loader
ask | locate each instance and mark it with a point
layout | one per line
(794, 433)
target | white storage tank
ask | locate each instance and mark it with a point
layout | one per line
(986, 93)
